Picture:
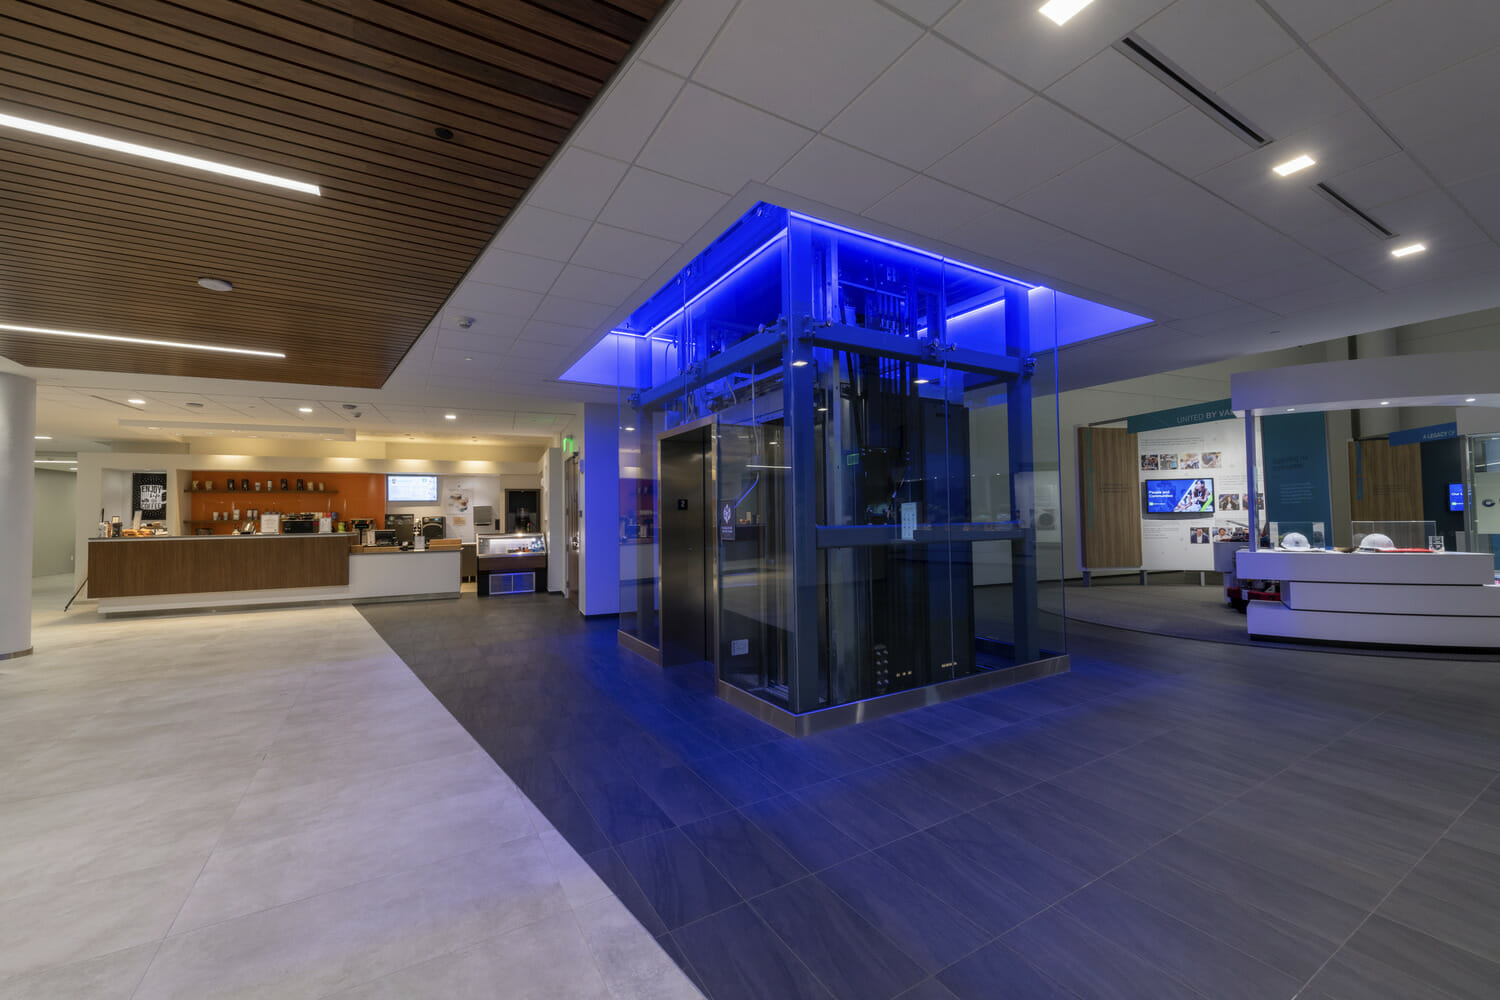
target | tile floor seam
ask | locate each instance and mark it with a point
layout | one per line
(1374, 910)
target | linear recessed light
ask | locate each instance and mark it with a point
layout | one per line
(48, 437)
(750, 466)
(1291, 409)
(136, 402)
(1470, 399)
(304, 409)
(1385, 402)
(1292, 166)
(54, 461)
(144, 341)
(1062, 11)
(1408, 250)
(151, 153)
(450, 416)
(920, 381)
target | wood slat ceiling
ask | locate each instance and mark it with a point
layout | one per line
(346, 94)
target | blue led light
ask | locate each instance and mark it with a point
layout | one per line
(911, 249)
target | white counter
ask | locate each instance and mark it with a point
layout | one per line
(372, 577)
(1385, 598)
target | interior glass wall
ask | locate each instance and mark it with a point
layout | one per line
(885, 508)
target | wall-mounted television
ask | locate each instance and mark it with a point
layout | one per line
(1179, 496)
(1455, 496)
(411, 489)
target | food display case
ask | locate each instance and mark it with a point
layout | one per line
(511, 564)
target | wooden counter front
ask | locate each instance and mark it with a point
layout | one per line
(138, 567)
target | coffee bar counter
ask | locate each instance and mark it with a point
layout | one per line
(135, 575)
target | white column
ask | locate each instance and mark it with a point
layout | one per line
(17, 488)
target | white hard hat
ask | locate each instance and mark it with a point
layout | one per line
(1376, 542)
(1294, 540)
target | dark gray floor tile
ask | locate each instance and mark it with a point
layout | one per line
(1316, 892)
(737, 957)
(676, 878)
(929, 930)
(897, 732)
(1080, 846)
(1028, 748)
(1132, 832)
(991, 901)
(891, 789)
(959, 790)
(751, 861)
(928, 989)
(622, 808)
(950, 721)
(976, 767)
(734, 779)
(1478, 749)
(1407, 775)
(681, 794)
(1458, 972)
(1356, 977)
(802, 831)
(611, 870)
(1277, 942)
(860, 742)
(1208, 965)
(863, 820)
(1090, 966)
(982, 845)
(853, 959)
(785, 763)
(997, 971)
(1151, 799)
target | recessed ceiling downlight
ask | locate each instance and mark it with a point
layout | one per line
(1408, 250)
(216, 284)
(1293, 165)
(304, 409)
(143, 341)
(152, 153)
(136, 402)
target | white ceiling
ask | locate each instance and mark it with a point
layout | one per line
(980, 128)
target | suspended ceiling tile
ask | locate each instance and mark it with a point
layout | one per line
(1461, 97)
(588, 284)
(1287, 95)
(928, 103)
(926, 205)
(1313, 18)
(684, 34)
(514, 270)
(842, 176)
(1217, 41)
(476, 339)
(1338, 291)
(541, 233)
(720, 143)
(535, 350)
(1031, 145)
(573, 312)
(929, 12)
(577, 182)
(1388, 179)
(619, 125)
(1403, 41)
(1116, 94)
(867, 38)
(658, 205)
(491, 300)
(1463, 154)
(1021, 43)
(609, 248)
(538, 331)
(1190, 142)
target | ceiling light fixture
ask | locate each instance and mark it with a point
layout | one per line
(1469, 399)
(304, 409)
(450, 416)
(136, 402)
(1292, 166)
(48, 437)
(799, 364)
(1385, 402)
(216, 284)
(151, 153)
(1062, 11)
(1291, 409)
(920, 381)
(1408, 250)
(54, 461)
(143, 341)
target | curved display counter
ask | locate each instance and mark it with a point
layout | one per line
(1379, 598)
(136, 575)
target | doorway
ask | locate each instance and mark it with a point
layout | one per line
(573, 518)
(689, 547)
(522, 509)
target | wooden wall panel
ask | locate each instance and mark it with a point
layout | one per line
(1385, 483)
(1109, 493)
(140, 567)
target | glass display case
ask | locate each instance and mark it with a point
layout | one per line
(1380, 536)
(510, 564)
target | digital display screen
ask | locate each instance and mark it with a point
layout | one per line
(411, 489)
(1179, 496)
(1455, 496)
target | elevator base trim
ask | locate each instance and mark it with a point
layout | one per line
(639, 647)
(870, 709)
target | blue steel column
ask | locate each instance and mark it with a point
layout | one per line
(1023, 567)
(798, 382)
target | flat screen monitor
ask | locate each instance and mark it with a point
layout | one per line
(1179, 496)
(1455, 496)
(411, 489)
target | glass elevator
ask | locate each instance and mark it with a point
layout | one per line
(839, 470)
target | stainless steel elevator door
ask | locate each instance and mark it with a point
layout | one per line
(687, 548)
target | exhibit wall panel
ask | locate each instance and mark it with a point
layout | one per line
(1211, 452)
(1385, 482)
(1108, 497)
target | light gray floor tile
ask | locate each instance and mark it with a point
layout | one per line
(108, 977)
(634, 967)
